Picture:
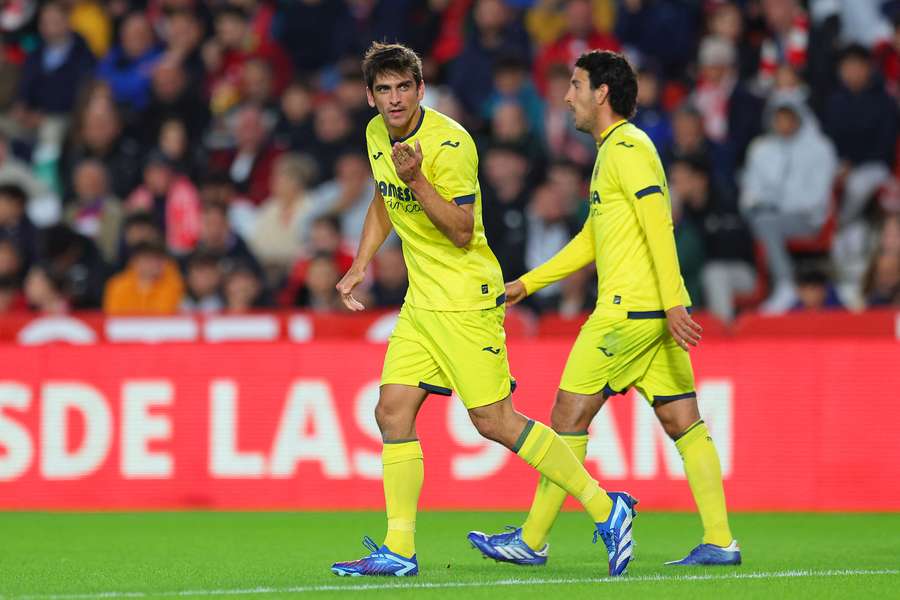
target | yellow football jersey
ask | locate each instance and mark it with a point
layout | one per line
(441, 276)
(628, 233)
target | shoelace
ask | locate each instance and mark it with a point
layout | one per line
(370, 545)
(505, 538)
(609, 539)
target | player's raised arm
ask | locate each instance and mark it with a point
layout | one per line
(573, 256)
(375, 230)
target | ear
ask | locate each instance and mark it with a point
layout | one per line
(370, 97)
(601, 94)
(420, 93)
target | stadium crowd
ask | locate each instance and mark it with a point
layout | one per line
(160, 156)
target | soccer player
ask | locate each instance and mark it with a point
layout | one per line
(449, 334)
(640, 330)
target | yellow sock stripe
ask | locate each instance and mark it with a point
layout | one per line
(697, 431)
(401, 525)
(537, 444)
(400, 452)
(590, 490)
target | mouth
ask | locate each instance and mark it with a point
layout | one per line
(396, 112)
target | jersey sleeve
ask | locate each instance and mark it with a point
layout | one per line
(574, 255)
(455, 168)
(646, 187)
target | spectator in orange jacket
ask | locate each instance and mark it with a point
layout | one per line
(151, 284)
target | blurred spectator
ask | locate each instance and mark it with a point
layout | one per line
(549, 228)
(577, 294)
(890, 234)
(11, 297)
(496, 33)
(814, 290)
(862, 21)
(691, 251)
(11, 266)
(350, 94)
(887, 57)
(15, 225)
(578, 37)
(151, 285)
(172, 200)
(333, 135)
(348, 195)
(227, 53)
(563, 140)
(862, 120)
(294, 129)
(881, 285)
(547, 20)
(43, 206)
(137, 227)
(45, 290)
(313, 32)
(174, 142)
(787, 189)
(283, 221)
(391, 279)
(257, 88)
(724, 20)
(249, 164)
(77, 258)
(788, 37)
(318, 292)
(217, 188)
(94, 212)
(97, 133)
(728, 270)
(513, 85)
(89, 19)
(129, 66)
(650, 115)
(55, 71)
(183, 33)
(731, 113)
(504, 197)
(324, 240)
(203, 283)
(218, 239)
(173, 97)
(689, 140)
(243, 290)
(662, 29)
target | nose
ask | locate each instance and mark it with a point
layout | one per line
(395, 97)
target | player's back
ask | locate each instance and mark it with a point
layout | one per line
(627, 171)
(441, 275)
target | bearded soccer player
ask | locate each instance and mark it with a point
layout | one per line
(449, 334)
(640, 331)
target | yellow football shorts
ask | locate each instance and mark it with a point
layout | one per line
(441, 352)
(617, 349)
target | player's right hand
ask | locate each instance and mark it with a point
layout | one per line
(515, 292)
(345, 288)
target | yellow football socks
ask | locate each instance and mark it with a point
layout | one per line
(549, 497)
(403, 475)
(704, 475)
(544, 450)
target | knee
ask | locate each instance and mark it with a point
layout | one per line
(571, 414)
(388, 417)
(488, 426)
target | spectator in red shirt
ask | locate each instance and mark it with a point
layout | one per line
(249, 164)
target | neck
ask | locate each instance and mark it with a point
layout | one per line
(604, 120)
(401, 132)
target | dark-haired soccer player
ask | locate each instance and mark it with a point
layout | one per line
(449, 334)
(640, 331)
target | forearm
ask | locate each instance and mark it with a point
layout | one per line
(574, 255)
(455, 222)
(657, 224)
(376, 228)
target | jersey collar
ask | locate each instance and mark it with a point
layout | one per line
(415, 129)
(609, 131)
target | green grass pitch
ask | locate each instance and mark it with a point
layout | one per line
(76, 556)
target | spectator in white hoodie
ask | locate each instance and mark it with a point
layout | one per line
(787, 187)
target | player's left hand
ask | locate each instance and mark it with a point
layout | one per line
(683, 328)
(407, 161)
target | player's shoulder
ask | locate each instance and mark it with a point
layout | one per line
(441, 131)
(376, 127)
(630, 141)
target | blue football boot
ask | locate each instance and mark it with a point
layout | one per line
(616, 532)
(710, 554)
(508, 547)
(379, 562)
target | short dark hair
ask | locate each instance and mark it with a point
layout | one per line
(14, 192)
(390, 58)
(612, 69)
(139, 219)
(856, 51)
(149, 248)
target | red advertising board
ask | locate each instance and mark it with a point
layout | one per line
(801, 425)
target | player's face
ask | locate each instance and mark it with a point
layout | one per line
(582, 100)
(396, 97)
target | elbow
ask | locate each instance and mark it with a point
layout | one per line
(462, 239)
